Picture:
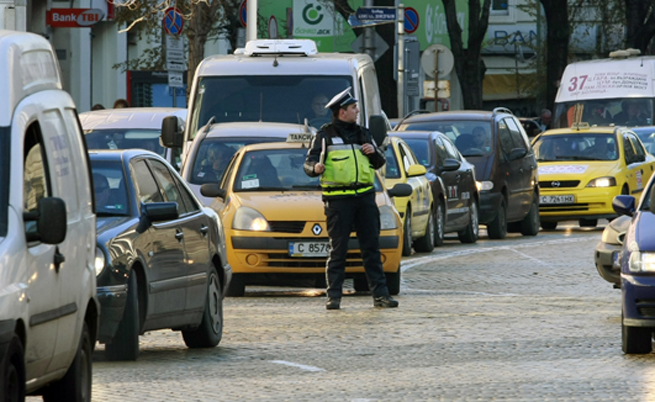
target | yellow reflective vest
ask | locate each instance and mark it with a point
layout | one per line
(347, 171)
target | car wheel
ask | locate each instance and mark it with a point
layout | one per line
(12, 382)
(440, 225)
(588, 223)
(425, 243)
(75, 386)
(549, 225)
(237, 287)
(393, 282)
(530, 224)
(636, 340)
(210, 331)
(125, 344)
(497, 229)
(470, 234)
(407, 234)
(360, 283)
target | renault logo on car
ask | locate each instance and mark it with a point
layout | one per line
(316, 229)
(555, 183)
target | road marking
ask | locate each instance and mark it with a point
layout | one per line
(442, 256)
(300, 366)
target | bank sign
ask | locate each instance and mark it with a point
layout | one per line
(73, 17)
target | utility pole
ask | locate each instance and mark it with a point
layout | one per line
(401, 66)
(369, 47)
(251, 20)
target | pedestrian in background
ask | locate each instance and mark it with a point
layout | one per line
(349, 197)
(121, 103)
(544, 120)
(97, 106)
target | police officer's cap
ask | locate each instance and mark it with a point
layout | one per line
(341, 100)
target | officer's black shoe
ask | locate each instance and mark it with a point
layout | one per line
(333, 303)
(385, 302)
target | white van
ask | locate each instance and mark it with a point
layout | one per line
(276, 81)
(619, 90)
(48, 305)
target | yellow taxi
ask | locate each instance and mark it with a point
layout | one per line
(275, 222)
(582, 168)
(417, 209)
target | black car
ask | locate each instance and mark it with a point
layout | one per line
(505, 164)
(160, 258)
(452, 179)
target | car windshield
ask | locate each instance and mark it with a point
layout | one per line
(576, 147)
(110, 189)
(277, 170)
(5, 138)
(604, 112)
(125, 139)
(270, 98)
(471, 137)
(420, 148)
(214, 154)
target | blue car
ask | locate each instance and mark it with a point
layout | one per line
(637, 260)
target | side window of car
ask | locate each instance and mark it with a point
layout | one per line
(451, 150)
(629, 151)
(440, 150)
(506, 142)
(146, 186)
(636, 144)
(35, 178)
(517, 135)
(391, 167)
(408, 155)
(165, 180)
(189, 201)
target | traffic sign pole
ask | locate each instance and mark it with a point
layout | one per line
(401, 68)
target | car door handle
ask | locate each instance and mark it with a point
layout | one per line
(204, 229)
(179, 235)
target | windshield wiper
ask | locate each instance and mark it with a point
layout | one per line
(305, 187)
(263, 189)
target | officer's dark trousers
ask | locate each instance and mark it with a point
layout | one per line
(362, 212)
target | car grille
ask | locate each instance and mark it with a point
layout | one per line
(646, 308)
(564, 208)
(287, 226)
(562, 183)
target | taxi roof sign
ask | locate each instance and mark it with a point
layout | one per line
(300, 137)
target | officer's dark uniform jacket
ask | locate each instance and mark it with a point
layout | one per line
(348, 172)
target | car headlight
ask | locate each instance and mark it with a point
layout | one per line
(641, 262)
(100, 261)
(610, 236)
(602, 182)
(248, 219)
(387, 218)
(484, 185)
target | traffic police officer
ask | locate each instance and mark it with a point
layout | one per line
(345, 156)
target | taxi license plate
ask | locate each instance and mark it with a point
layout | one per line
(557, 199)
(309, 249)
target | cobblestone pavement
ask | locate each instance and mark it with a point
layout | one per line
(522, 319)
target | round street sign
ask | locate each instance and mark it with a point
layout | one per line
(411, 20)
(173, 21)
(243, 13)
(446, 60)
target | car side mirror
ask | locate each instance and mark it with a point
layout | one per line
(377, 125)
(400, 190)
(451, 164)
(416, 170)
(51, 221)
(517, 153)
(171, 136)
(624, 204)
(161, 211)
(212, 190)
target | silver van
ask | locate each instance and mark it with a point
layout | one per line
(48, 305)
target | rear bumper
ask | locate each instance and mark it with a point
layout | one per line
(638, 293)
